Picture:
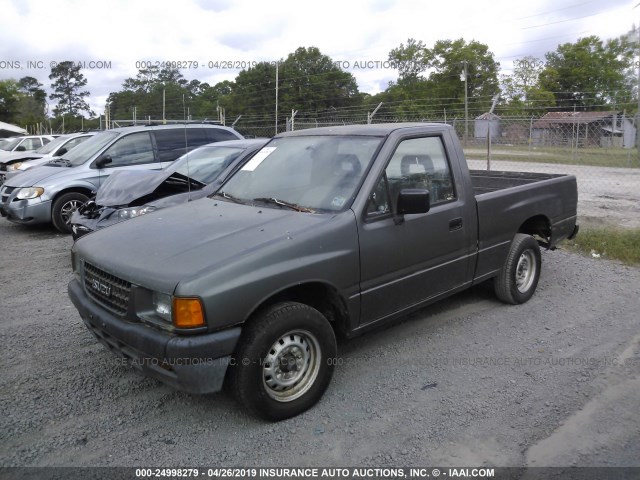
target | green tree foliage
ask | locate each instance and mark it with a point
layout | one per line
(450, 59)
(211, 98)
(308, 81)
(431, 80)
(406, 97)
(254, 91)
(589, 74)
(67, 86)
(410, 60)
(22, 102)
(146, 93)
(521, 93)
(152, 90)
(9, 100)
(32, 105)
(311, 81)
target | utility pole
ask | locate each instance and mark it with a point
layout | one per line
(163, 105)
(638, 111)
(489, 120)
(466, 105)
(634, 37)
(276, 97)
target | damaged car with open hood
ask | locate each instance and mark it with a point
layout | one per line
(131, 193)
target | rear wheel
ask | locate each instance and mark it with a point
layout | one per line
(63, 207)
(518, 279)
(284, 363)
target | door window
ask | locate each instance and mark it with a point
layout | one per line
(171, 143)
(31, 143)
(220, 135)
(418, 163)
(134, 149)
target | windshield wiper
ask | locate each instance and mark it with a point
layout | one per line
(228, 197)
(282, 203)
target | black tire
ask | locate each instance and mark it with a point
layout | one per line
(283, 363)
(62, 209)
(518, 279)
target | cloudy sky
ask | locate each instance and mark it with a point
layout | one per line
(118, 34)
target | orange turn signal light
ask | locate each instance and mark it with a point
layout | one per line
(188, 313)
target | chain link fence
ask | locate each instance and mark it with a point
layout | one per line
(599, 148)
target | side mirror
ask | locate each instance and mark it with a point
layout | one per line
(21, 148)
(61, 152)
(103, 160)
(411, 201)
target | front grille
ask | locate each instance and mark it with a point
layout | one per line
(4, 194)
(108, 290)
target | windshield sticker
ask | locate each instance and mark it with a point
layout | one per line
(258, 158)
(338, 201)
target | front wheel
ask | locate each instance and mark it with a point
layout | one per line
(518, 279)
(283, 363)
(63, 208)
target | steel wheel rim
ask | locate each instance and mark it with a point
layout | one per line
(291, 365)
(67, 210)
(525, 271)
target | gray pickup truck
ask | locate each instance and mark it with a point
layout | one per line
(323, 231)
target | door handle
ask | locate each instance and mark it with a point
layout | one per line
(455, 224)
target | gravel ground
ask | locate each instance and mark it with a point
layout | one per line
(467, 382)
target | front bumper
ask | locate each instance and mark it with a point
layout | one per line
(193, 364)
(23, 211)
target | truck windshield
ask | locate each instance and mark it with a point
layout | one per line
(319, 173)
(89, 149)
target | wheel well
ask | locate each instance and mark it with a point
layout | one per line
(83, 191)
(538, 226)
(320, 296)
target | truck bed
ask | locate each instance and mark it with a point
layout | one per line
(504, 199)
(490, 181)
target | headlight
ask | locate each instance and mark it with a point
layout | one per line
(13, 167)
(127, 213)
(162, 305)
(27, 193)
(166, 311)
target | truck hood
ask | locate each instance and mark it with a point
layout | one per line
(125, 186)
(179, 243)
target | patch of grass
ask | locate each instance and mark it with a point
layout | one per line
(611, 243)
(593, 156)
